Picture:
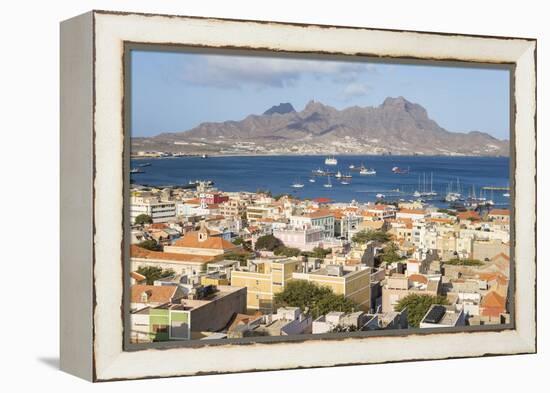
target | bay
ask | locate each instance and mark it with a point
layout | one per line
(277, 173)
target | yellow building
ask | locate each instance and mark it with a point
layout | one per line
(267, 277)
(263, 279)
(214, 280)
(353, 283)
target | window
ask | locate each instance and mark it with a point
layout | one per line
(160, 329)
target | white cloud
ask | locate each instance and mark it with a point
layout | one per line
(233, 72)
(356, 89)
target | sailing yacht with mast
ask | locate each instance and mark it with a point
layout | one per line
(453, 196)
(331, 161)
(328, 184)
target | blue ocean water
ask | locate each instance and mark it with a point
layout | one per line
(277, 173)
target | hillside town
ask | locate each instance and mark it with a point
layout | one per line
(208, 264)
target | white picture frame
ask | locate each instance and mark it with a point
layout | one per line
(92, 194)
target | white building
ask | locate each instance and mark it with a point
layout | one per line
(319, 218)
(304, 238)
(159, 211)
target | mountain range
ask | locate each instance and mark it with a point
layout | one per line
(397, 126)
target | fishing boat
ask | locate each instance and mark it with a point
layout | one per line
(145, 164)
(344, 182)
(318, 172)
(331, 161)
(506, 195)
(328, 184)
(348, 176)
(297, 184)
(204, 156)
(367, 171)
(400, 171)
(311, 180)
(351, 166)
(136, 171)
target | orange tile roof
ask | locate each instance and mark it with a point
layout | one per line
(499, 278)
(493, 300)
(191, 240)
(138, 277)
(499, 212)
(418, 278)
(500, 255)
(139, 252)
(412, 211)
(440, 220)
(242, 319)
(382, 207)
(469, 214)
(158, 225)
(156, 293)
(319, 213)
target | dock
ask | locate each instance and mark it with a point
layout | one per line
(494, 188)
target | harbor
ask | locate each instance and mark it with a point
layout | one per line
(438, 180)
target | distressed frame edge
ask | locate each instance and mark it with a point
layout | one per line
(527, 339)
(76, 285)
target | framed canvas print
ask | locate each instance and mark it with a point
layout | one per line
(247, 195)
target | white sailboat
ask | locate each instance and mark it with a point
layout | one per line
(297, 184)
(331, 161)
(328, 184)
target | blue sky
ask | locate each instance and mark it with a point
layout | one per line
(174, 91)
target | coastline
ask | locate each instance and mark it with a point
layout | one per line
(210, 155)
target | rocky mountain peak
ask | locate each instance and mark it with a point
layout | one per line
(281, 109)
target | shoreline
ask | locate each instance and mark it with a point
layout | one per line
(198, 155)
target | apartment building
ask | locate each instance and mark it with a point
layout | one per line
(232, 208)
(304, 238)
(398, 286)
(263, 278)
(352, 281)
(159, 211)
(323, 218)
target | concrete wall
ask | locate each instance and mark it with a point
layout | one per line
(216, 314)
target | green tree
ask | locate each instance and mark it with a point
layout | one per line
(319, 300)
(279, 196)
(268, 243)
(150, 244)
(464, 262)
(153, 273)
(447, 211)
(143, 219)
(418, 305)
(344, 329)
(362, 237)
(287, 251)
(320, 253)
(239, 241)
(390, 254)
(265, 192)
(242, 257)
